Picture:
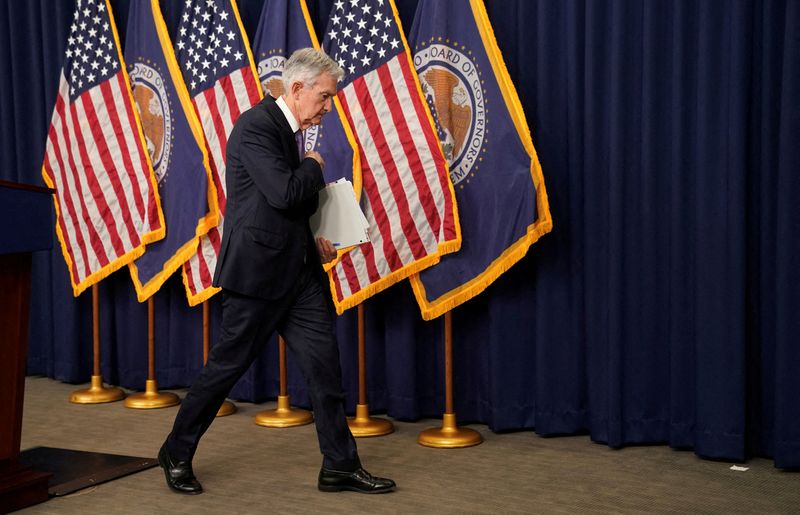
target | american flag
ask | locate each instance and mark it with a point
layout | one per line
(407, 195)
(95, 157)
(218, 70)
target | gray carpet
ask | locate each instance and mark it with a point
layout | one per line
(246, 468)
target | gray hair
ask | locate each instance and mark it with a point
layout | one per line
(306, 64)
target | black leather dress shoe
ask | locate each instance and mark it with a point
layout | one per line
(180, 477)
(358, 481)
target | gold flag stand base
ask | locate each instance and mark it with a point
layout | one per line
(151, 398)
(97, 393)
(284, 415)
(449, 436)
(227, 408)
(362, 425)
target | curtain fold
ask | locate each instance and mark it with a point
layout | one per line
(786, 421)
(662, 307)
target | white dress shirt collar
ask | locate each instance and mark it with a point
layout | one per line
(293, 123)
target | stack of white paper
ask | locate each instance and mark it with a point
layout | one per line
(339, 217)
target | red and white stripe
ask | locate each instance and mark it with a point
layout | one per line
(218, 107)
(407, 199)
(97, 163)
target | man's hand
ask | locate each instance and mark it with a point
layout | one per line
(313, 154)
(326, 250)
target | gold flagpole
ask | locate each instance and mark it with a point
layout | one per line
(97, 393)
(284, 415)
(151, 397)
(362, 424)
(227, 408)
(449, 436)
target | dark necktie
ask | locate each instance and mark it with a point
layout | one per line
(300, 139)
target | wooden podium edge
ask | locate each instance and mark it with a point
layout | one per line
(22, 487)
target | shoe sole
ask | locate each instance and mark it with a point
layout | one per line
(330, 488)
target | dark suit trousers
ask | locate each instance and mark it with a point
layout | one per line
(305, 321)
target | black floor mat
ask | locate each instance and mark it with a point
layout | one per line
(74, 470)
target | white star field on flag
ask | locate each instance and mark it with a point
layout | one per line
(91, 52)
(361, 36)
(208, 45)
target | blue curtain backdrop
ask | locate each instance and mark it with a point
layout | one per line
(662, 307)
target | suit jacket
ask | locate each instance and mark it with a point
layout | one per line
(271, 194)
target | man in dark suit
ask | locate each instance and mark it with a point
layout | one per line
(269, 269)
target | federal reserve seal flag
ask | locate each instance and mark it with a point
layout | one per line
(176, 146)
(498, 181)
